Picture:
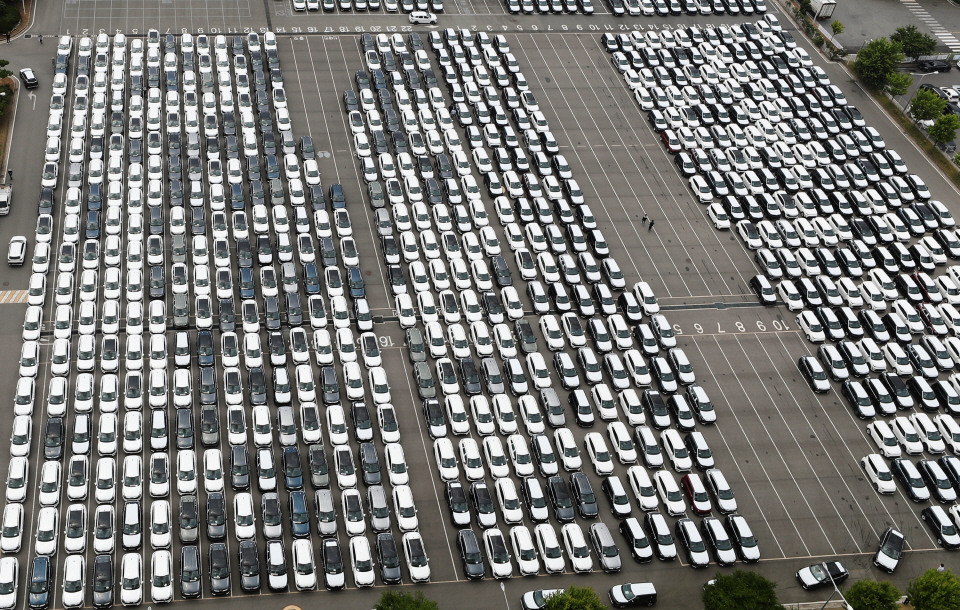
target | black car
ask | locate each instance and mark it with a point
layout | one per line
(585, 496)
(292, 469)
(53, 439)
(370, 464)
(103, 581)
(41, 581)
(483, 504)
(184, 429)
(815, 576)
(239, 467)
(389, 558)
(933, 65)
(457, 503)
(190, 572)
(560, 498)
(216, 517)
(189, 517)
(219, 569)
(470, 554)
(329, 385)
(299, 510)
(911, 479)
(249, 566)
(360, 415)
(29, 78)
(582, 409)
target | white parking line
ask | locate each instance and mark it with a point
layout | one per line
(854, 459)
(774, 403)
(632, 109)
(596, 162)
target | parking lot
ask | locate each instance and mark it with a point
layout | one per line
(791, 456)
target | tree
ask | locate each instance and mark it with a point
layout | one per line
(741, 590)
(837, 27)
(873, 595)
(898, 83)
(913, 42)
(575, 598)
(927, 105)
(393, 600)
(945, 130)
(935, 590)
(4, 73)
(877, 60)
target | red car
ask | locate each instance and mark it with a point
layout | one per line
(671, 141)
(696, 494)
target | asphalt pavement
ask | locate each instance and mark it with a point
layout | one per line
(791, 456)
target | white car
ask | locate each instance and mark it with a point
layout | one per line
(669, 492)
(304, 573)
(18, 477)
(524, 550)
(74, 569)
(520, 455)
(245, 520)
(418, 564)
(623, 446)
(160, 525)
(361, 562)
(928, 432)
(549, 548)
(446, 459)
(131, 579)
(878, 473)
(907, 435)
(567, 449)
(396, 464)
(497, 553)
(336, 425)
(404, 508)
(161, 577)
(496, 459)
(643, 488)
(577, 548)
(12, 534)
(456, 415)
(48, 531)
(599, 454)
(9, 582)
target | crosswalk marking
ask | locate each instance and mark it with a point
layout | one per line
(938, 30)
(8, 297)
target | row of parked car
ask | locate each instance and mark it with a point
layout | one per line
(774, 150)
(444, 410)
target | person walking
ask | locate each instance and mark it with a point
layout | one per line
(643, 220)
(41, 38)
(650, 228)
(942, 568)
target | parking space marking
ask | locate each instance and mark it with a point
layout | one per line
(770, 438)
(595, 164)
(869, 445)
(11, 297)
(774, 403)
(756, 460)
(631, 108)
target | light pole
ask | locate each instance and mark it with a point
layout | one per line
(504, 590)
(835, 590)
(921, 75)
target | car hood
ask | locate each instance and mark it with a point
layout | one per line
(806, 577)
(886, 562)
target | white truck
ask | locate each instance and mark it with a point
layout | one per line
(6, 198)
(823, 9)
